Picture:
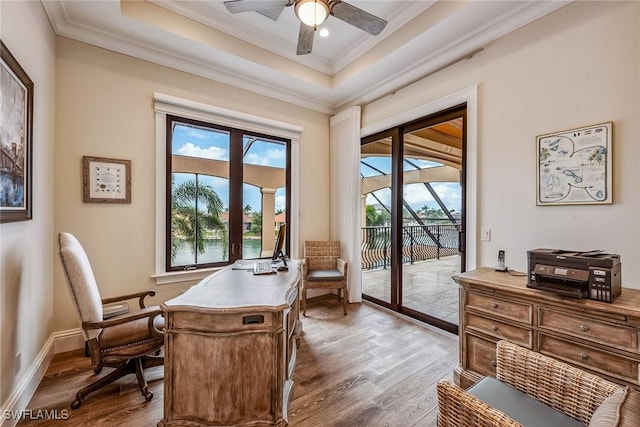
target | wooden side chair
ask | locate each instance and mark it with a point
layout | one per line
(129, 342)
(322, 268)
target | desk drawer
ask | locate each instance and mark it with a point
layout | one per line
(500, 330)
(517, 311)
(223, 322)
(588, 357)
(598, 331)
(481, 355)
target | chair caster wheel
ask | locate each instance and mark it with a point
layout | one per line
(148, 396)
(97, 370)
(75, 404)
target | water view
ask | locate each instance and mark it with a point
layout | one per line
(214, 252)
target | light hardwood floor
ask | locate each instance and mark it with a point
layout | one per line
(369, 368)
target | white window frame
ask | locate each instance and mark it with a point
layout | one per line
(172, 105)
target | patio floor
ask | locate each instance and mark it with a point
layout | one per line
(427, 286)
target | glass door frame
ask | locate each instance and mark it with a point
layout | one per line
(397, 185)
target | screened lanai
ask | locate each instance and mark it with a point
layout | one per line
(430, 225)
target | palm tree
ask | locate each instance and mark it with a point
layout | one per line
(195, 226)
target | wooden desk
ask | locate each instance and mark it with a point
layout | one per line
(230, 350)
(600, 337)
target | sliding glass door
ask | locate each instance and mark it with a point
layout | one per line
(413, 217)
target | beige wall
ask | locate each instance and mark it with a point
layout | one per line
(26, 248)
(575, 67)
(105, 108)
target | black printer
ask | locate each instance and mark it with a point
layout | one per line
(594, 274)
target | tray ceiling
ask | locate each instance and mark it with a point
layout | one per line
(251, 51)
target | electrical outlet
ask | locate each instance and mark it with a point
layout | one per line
(485, 234)
(18, 362)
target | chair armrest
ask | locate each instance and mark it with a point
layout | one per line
(150, 312)
(342, 266)
(565, 388)
(140, 295)
(457, 408)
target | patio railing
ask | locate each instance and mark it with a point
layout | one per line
(419, 243)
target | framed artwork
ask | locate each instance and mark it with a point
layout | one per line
(16, 136)
(106, 180)
(574, 166)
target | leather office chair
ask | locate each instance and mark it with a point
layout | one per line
(129, 342)
(322, 268)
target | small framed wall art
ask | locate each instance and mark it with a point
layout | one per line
(574, 166)
(16, 135)
(106, 180)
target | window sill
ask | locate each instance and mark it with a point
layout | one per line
(183, 276)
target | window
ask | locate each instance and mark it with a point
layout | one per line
(226, 187)
(225, 182)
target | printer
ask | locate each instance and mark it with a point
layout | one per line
(594, 274)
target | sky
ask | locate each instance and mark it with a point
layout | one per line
(211, 144)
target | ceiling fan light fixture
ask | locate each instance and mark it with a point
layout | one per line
(312, 12)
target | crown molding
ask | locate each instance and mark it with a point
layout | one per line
(431, 51)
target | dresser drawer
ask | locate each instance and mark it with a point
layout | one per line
(512, 310)
(587, 357)
(598, 331)
(481, 355)
(500, 330)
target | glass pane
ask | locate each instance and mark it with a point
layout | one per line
(213, 224)
(375, 169)
(264, 194)
(182, 233)
(431, 219)
(199, 195)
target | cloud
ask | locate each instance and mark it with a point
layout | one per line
(417, 195)
(256, 159)
(190, 149)
(274, 157)
(198, 133)
(276, 154)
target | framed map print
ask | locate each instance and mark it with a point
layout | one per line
(106, 180)
(574, 166)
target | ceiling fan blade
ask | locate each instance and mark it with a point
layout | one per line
(272, 14)
(358, 18)
(305, 39)
(238, 6)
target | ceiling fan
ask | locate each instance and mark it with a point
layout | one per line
(311, 13)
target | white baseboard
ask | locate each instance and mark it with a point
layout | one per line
(71, 339)
(21, 395)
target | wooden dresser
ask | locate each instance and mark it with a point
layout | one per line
(230, 350)
(600, 337)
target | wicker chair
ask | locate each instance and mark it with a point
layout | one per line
(322, 268)
(566, 389)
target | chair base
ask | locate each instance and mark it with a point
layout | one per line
(131, 366)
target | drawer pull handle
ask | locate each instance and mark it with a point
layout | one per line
(495, 305)
(495, 328)
(494, 363)
(584, 356)
(250, 320)
(583, 328)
